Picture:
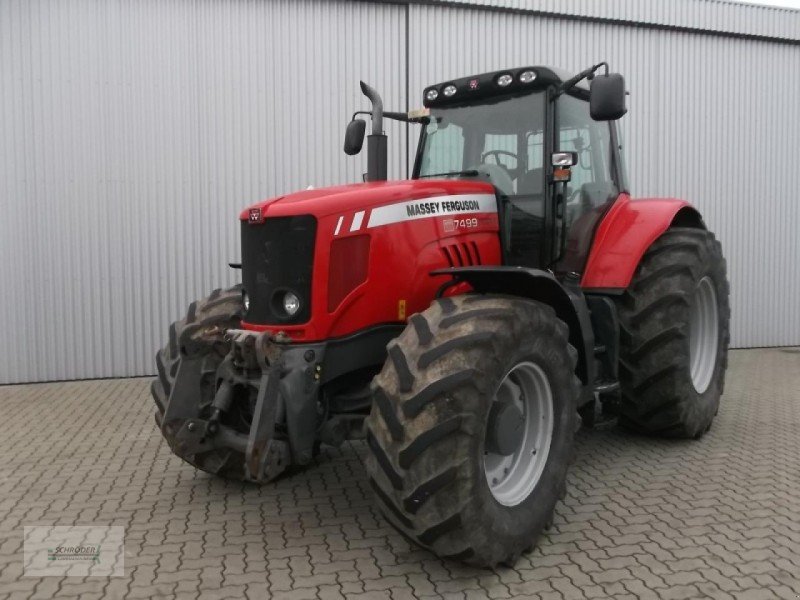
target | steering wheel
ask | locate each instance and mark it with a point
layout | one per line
(496, 154)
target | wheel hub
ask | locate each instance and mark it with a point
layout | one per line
(505, 429)
(518, 433)
(703, 334)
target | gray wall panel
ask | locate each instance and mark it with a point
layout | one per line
(134, 132)
(701, 126)
(713, 15)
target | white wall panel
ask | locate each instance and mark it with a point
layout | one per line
(134, 132)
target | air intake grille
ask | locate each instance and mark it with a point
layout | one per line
(278, 257)
(462, 254)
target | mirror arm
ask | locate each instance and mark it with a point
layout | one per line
(573, 81)
(395, 116)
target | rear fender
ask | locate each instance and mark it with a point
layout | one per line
(626, 232)
(566, 299)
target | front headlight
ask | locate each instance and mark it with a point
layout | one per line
(291, 303)
(245, 301)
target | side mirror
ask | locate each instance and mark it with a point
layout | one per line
(607, 97)
(354, 136)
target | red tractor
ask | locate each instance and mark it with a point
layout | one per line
(465, 322)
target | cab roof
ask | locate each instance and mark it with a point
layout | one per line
(485, 85)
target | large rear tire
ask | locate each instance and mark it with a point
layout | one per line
(674, 334)
(200, 335)
(472, 426)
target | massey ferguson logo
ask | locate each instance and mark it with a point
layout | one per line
(433, 208)
(473, 84)
(255, 216)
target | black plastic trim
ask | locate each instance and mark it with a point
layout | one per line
(605, 291)
(362, 349)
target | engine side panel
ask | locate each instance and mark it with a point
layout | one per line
(622, 238)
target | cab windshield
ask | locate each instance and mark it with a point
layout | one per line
(500, 140)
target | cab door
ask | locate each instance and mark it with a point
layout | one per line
(594, 183)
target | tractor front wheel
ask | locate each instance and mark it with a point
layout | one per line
(472, 426)
(189, 339)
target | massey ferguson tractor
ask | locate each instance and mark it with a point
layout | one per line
(465, 322)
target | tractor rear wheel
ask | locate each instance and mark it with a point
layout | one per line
(674, 336)
(472, 426)
(189, 338)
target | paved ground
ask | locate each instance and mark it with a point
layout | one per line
(716, 518)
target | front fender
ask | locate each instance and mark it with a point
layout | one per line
(624, 235)
(566, 299)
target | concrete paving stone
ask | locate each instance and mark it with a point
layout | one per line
(280, 580)
(683, 578)
(330, 592)
(680, 592)
(349, 576)
(351, 588)
(755, 594)
(645, 518)
(420, 584)
(530, 587)
(611, 576)
(385, 583)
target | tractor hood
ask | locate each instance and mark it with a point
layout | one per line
(361, 196)
(359, 255)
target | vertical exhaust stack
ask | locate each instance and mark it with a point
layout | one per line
(376, 141)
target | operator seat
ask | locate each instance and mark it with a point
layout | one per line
(531, 182)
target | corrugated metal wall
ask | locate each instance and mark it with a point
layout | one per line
(713, 15)
(133, 132)
(714, 120)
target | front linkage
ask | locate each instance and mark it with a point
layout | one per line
(247, 414)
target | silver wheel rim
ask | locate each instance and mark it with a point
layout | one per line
(512, 478)
(703, 334)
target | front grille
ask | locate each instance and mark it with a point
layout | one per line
(277, 257)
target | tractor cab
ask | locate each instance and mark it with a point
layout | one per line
(546, 142)
(555, 168)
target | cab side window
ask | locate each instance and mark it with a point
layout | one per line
(592, 183)
(592, 188)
